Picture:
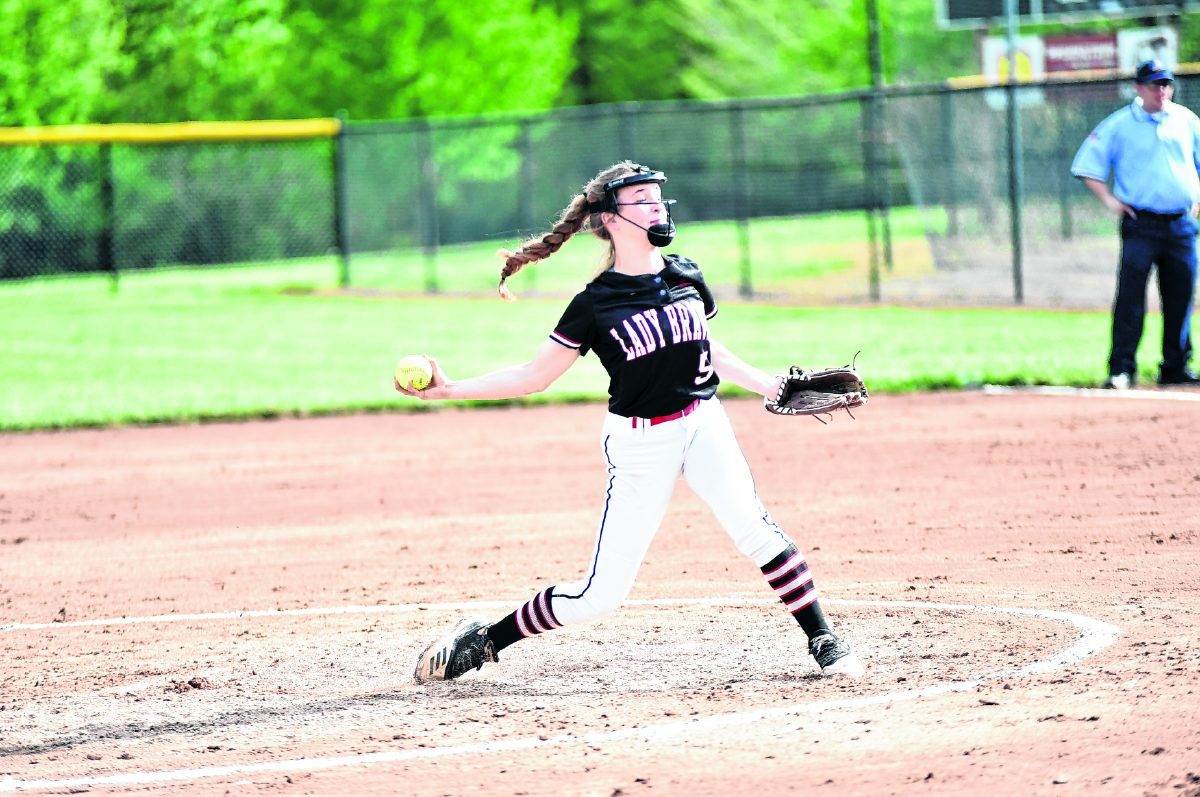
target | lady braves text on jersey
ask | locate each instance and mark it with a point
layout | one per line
(650, 332)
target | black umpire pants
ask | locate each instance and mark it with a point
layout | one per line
(1168, 242)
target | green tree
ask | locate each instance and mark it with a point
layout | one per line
(406, 58)
(201, 59)
(630, 50)
(799, 47)
(56, 60)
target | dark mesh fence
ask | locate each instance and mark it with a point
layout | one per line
(954, 151)
(417, 193)
(198, 204)
(52, 215)
(99, 207)
(899, 196)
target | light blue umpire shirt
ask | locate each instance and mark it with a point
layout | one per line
(1154, 158)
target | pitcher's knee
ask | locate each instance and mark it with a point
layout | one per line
(759, 539)
(591, 605)
(606, 605)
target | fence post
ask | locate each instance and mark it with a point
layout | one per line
(741, 200)
(427, 171)
(884, 176)
(1015, 156)
(1015, 188)
(108, 261)
(879, 128)
(629, 115)
(950, 168)
(341, 226)
(1064, 179)
(527, 197)
(866, 109)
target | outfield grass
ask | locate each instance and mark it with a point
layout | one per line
(253, 342)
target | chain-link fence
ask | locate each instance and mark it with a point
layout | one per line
(119, 206)
(954, 148)
(901, 195)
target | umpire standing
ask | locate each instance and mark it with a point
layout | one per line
(1152, 149)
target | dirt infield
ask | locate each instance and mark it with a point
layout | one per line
(237, 608)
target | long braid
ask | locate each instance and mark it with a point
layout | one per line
(572, 220)
(575, 217)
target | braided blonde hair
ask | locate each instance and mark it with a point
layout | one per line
(574, 217)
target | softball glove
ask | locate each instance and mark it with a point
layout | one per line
(819, 392)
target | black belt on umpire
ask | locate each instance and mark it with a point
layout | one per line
(1152, 216)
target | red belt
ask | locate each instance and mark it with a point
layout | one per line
(674, 416)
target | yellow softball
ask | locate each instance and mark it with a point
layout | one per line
(414, 370)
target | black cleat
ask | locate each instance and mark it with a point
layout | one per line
(1183, 376)
(834, 656)
(465, 648)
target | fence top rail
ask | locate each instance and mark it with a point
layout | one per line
(170, 132)
(967, 85)
(596, 111)
(1072, 78)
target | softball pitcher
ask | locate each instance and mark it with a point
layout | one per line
(645, 315)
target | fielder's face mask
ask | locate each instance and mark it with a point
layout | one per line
(658, 234)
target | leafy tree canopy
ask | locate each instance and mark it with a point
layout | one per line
(57, 59)
(69, 61)
(387, 59)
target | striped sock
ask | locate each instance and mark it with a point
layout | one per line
(789, 576)
(534, 618)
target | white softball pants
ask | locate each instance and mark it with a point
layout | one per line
(643, 466)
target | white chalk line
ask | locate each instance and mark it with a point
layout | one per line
(1091, 392)
(1094, 636)
(397, 608)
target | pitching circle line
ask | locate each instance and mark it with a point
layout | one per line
(1091, 392)
(1094, 636)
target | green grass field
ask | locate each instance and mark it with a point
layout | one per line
(270, 340)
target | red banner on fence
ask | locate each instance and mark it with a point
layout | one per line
(1071, 53)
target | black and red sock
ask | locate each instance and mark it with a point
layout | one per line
(789, 576)
(534, 618)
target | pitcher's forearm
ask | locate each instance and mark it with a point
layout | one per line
(732, 368)
(507, 383)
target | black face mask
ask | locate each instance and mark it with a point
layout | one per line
(660, 234)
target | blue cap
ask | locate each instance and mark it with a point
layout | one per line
(1150, 71)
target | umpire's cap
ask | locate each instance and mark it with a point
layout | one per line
(1150, 71)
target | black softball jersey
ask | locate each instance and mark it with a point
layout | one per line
(651, 334)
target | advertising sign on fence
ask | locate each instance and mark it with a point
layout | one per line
(979, 14)
(1040, 57)
(1077, 53)
(1030, 67)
